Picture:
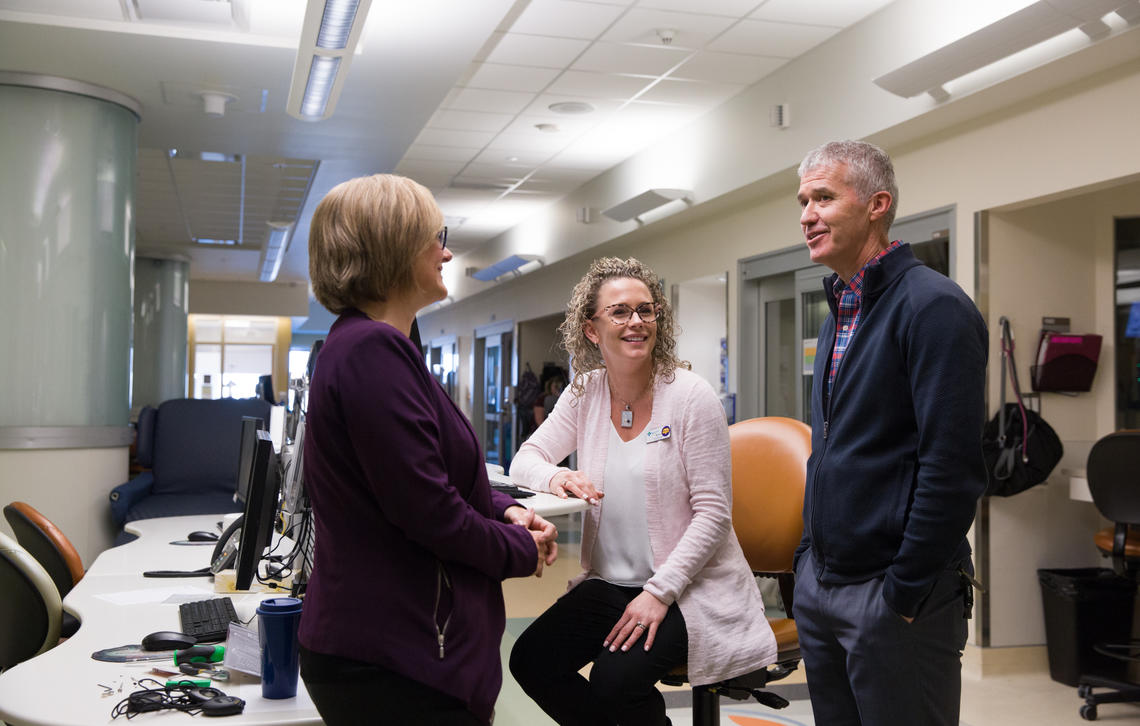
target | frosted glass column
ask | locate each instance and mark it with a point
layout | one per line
(162, 288)
(67, 174)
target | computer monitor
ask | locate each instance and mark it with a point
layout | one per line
(277, 427)
(265, 389)
(260, 507)
(312, 363)
(249, 428)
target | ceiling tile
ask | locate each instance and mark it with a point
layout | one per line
(836, 13)
(536, 50)
(533, 142)
(479, 99)
(522, 160)
(727, 67)
(692, 30)
(541, 105)
(526, 124)
(429, 173)
(454, 137)
(503, 77)
(733, 8)
(559, 171)
(565, 19)
(446, 118)
(513, 171)
(695, 93)
(598, 85)
(424, 152)
(760, 37)
(619, 58)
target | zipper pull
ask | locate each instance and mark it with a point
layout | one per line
(439, 637)
(826, 423)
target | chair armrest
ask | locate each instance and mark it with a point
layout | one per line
(125, 496)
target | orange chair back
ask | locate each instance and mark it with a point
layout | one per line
(769, 468)
(47, 543)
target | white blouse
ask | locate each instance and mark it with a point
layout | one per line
(622, 554)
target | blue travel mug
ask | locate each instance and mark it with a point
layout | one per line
(278, 618)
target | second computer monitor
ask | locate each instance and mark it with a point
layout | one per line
(260, 508)
(249, 428)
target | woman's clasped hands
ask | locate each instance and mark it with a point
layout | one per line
(544, 533)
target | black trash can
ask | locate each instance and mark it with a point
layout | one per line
(1083, 607)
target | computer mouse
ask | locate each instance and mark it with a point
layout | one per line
(168, 640)
(202, 536)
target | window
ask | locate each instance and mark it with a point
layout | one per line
(231, 353)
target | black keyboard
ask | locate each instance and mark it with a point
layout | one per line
(208, 620)
(512, 490)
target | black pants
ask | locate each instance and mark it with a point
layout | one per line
(622, 686)
(352, 693)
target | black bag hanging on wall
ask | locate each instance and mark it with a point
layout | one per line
(1020, 449)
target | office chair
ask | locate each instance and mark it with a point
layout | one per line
(51, 548)
(1112, 475)
(30, 608)
(769, 467)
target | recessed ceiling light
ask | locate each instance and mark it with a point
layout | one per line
(571, 107)
(512, 158)
(548, 128)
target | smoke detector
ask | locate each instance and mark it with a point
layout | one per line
(666, 35)
(214, 102)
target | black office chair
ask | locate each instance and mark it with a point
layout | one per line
(30, 609)
(1114, 480)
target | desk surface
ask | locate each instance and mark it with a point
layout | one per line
(117, 606)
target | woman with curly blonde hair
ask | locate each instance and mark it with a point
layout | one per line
(664, 580)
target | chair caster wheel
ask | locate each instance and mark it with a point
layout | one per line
(1088, 713)
(1084, 691)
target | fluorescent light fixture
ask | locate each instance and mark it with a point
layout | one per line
(274, 252)
(336, 24)
(644, 202)
(1016, 32)
(208, 241)
(512, 264)
(318, 89)
(328, 37)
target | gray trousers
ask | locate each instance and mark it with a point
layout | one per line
(866, 666)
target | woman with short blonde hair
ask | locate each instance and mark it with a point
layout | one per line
(364, 236)
(404, 608)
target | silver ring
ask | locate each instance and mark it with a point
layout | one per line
(640, 625)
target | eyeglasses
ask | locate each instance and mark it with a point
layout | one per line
(620, 313)
(442, 237)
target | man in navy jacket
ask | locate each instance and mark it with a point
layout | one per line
(883, 571)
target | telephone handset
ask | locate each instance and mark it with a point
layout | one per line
(225, 551)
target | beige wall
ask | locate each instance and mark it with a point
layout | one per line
(69, 487)
(1052, 259)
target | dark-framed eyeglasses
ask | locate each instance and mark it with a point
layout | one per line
(620, 313)
(442, 237)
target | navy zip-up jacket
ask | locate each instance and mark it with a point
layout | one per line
(896, 467)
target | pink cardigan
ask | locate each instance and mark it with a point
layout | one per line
(688, 496)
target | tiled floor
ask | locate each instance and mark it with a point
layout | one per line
(1028, 698)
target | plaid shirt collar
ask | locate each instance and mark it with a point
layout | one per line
(849, 303)
(855, 286)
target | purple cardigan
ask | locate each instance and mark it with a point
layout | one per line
(409, 534)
